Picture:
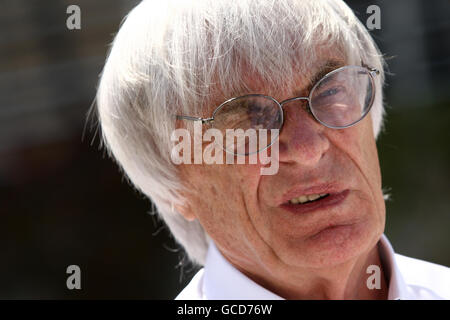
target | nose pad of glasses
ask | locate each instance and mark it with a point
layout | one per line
(292, 108)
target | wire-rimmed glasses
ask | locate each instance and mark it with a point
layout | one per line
(340, 99)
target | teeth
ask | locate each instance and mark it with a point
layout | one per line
(303, 199)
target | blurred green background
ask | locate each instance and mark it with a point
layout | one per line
(63, 202)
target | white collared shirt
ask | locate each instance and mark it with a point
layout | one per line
(409, 279)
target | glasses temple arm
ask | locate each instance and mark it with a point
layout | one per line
(374, 71)
(203, 120)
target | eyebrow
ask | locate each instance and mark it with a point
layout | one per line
(323, 69)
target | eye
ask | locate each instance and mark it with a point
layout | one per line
(254, 108)
(329, 92)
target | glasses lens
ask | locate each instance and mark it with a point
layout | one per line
(343, 97)
(245, 123)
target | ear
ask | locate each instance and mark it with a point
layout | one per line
(186, 211)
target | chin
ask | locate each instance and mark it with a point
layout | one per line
(331, 246)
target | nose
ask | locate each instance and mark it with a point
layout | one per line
(302, 139)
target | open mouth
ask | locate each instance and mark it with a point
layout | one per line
(308, 198)
(311, 202)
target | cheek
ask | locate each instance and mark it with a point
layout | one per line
(359, 146)
(369, 155)
(364, 155)
(220, 196)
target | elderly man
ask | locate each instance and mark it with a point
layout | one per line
(307, 78)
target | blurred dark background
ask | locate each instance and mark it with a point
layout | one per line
(63, 202)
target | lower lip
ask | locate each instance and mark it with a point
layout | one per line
(332, 200)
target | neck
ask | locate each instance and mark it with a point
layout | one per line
(345, 281)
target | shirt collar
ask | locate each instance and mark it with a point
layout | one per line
(222, 281)
(397, 285)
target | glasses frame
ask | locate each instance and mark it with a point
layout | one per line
(371, 71)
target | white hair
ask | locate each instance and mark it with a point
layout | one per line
(178, 56)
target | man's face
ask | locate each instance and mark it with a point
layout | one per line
(250, 216)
